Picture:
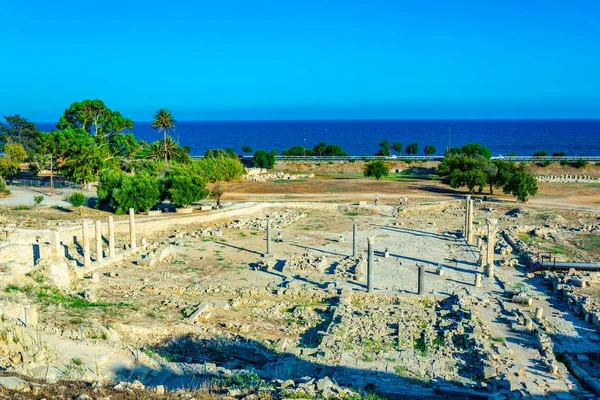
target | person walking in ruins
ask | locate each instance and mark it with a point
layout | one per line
(376, 200)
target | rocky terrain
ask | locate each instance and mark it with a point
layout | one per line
(208, 308)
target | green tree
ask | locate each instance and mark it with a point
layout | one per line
(377, 169)
(397, 146)
(320, 148)
(140, 192)
(165, 122)
(580, 163)
(297, 151)
(262, 159)
(412, 148)
(216, 194)
(430, 149)
(247, 149)
(335, 150)
(540, 153)
(521, 184)
(10, 162)
(184, 185)
(19, 130)
(164, 150)
(384, 148)
(559, 154)
(89, 114)
(470, 150)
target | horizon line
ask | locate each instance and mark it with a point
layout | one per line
(364, 119)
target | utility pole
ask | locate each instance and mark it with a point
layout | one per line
(304, 142)
(51, 180)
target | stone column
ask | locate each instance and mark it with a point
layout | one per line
(55, 249)
(421, 280)
(539, 311)
(467, 204)
(99, 255)
(491, 239)
(111, 237)
(354, 252)
(478, 241)
(371, 245)
(268, 236)
(470, 231)
(132, 229)
(477, 280)
(87, 261)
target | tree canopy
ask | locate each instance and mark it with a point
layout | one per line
(19, 130)
(94, 113)
(384, 148)
(377, 169)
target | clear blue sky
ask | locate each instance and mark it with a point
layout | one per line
(303, 59)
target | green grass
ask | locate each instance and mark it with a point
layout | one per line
(352, 214)
(77, 361)
(498, 339)
(401, 369)
(288, 180)
(50, 295)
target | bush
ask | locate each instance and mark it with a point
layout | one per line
(140, 192)
(108, 181)
(218, 169)
(38, 200)
(184, 185)
(3, 190)
(581, 163)
(559, 154)
(540, 153)
(246, 149)
(77, 199)
(262, 159)
(377, 169)
(564, 163)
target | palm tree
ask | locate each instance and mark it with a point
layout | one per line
(164, 121)
(167, 150)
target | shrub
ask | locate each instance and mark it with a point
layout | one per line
(77, 199)
(540, 153)
(219, 169)
(140, 192)
(377, 169)
(38, 200)
(3, 190)
(184, 185)
(581, 163)
(246, 149)
(559, 154)
(564, 163)
(262, 159)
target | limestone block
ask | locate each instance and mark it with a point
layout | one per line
(59, 274)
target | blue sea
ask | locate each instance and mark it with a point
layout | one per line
(523, 137)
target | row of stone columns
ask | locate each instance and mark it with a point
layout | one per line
(55, 245)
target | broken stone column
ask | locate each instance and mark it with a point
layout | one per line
(421, 280)
(491, 239)
(539, 311)
(470, 231)
(354, 252)
(477, 280)
(268, 236)
(522, 299)
(95, 277)
(371, 245)
(111, 237)
(98, 227)
(132, 229)
(55, 248)
(87, 261)
(479, 243)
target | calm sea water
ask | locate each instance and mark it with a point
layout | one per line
(524, 137)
